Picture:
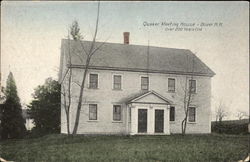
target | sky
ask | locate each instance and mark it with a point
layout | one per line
(31, 34)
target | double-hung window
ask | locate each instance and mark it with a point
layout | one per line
(192, 86)
(191, 114)
(117, 113)
(144, 83)
(117, 82)
(171, 85)
(92, 111)
(93, 81)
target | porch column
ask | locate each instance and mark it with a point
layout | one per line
(127, 119)
(151, 120)
(166, 120)
(134, 120)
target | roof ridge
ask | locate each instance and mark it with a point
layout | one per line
(131, 44)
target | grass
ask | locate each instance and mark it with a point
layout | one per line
(127, 148)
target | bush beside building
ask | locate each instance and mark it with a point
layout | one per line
(231, 127)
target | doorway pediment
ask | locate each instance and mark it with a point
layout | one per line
(151, 97)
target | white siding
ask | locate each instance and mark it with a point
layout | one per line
(105, 97)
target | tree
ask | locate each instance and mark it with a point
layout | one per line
(76, 35)
(12, 122)
(67, 95)
(221, 112)
(187, 96)
(75, 31)
(89, 56)
(44, 109)
(241, 114)
(2, 100)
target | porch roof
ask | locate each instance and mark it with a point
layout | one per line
(141, 96)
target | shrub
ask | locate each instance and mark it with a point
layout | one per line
(230, 127)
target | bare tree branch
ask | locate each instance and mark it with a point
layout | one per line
(89, 55)
(65, 74)
(187, 98)
(221, 112)
(67, 96)
(99, 47)
(79, 57)
(241, 114)
(83, 48)
(76, 83)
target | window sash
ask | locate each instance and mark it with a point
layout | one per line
(93, 80)
(172, 113)
(117, 113)
(117, 81)
(171, 85)
(92, 111)
(144, 83)
(191, 114)
(192, 86)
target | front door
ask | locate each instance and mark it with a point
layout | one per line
(159, 121)
(142, 120)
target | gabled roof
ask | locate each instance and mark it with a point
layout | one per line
(137, 98)
(128, 57)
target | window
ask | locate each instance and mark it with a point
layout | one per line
(92, 111)
(93, 81)
(117, 113)
(192, 86)
(144, 83)
(117, 82)
(171, 85)
(191, 114)
(172, 113)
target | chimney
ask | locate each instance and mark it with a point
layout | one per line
(126, 37)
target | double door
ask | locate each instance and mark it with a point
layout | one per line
(143, 121)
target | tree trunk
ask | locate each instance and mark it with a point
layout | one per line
(187, 101)
(89, 55)
(80, 98)
(184, 124)
(67, 119)
(66, 108)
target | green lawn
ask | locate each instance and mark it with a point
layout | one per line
(127, 148)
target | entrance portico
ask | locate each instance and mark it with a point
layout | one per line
(149, 114)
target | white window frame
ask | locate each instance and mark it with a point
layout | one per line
(174, 84)
(141, 82)
(195, 85)
(118, 121)
(96, 112)
(113, 76)
(98, 78)
(195, 117)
